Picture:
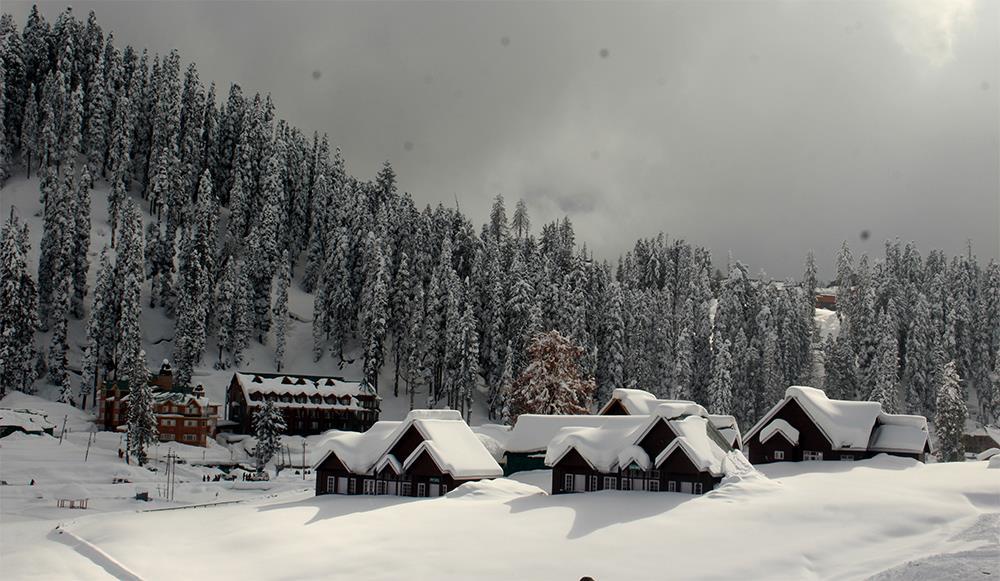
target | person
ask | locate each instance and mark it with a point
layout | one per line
(32, 482)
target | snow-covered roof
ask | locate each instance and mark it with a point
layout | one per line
(846, 424)
(900, 433)
(782, 427)
(302, 385)
(610, 447)
(28, 421)
(728, 427)
(533, 432)
(72, 491)
(637, 402)
(455, 448)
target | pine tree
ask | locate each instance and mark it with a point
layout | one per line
(949, 423)
(506, 390)
(281, 310)
(551, 383)
(468, 361)
(268, 425)
(81, 242)
(101, 319)
(18, 317)
(194, 284)
(373, 314)
(30, 132)
(720, 391)
(884, 371)
(920, 362)
(521, 223)
(142, 431)
(841, 369)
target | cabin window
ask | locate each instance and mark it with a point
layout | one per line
(593, 483)
(189, 437)
(331, 483)
(626, 484)
(444, 489)
(169, 422)
(654, 485)
(779, 454)
(380, 487)
(421, 489)
(190, 423)
(609, 483)
(166, 436)
(847, 457)
(698, 489)
(315, 425)
(352, 486)
(811, 455)
(672, 486)
(568, 483)
(406, 489)
(369, 487)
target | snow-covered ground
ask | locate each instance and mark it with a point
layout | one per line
(890, 517)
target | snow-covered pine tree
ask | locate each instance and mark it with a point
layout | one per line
(142, 431)
(720, 391)
(949, 422)
(506, 400)
(373, 312)
(268, 425)
(316, 250)
(611, 367)
(81, 242)
(921, 366)
(62, 281)
(5, 146)
(552, 383)
(521, 223)
(18, 317)
(30, 132)
(100, 320)
(194, 282)
(281, 310)
(884, 378)
(468, 361)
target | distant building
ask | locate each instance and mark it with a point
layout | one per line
(181, 415)
(981, 439)
(24, 421)
(674, 449)
(311, 404)
(425, 455)
(806, 425)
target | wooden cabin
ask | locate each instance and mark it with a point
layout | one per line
(637, 402)
(311, 404)
(676, 448)
(806, 425)
(425, 455)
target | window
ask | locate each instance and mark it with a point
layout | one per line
(444, 489)
(654, 485)
(672, 486)
(380, 487)
(189, 437)
(331, 484)
(369, 486)
(698, 488)
(406, 489)
(352, 486)
(421, 489)
(315, 425)
(166, 436)
(568, 483)
(610, 483)
(169, 422)
(779, 454)
(190, 423)
(593, 483)
(811, 455)
(847, 457)
(626, 484)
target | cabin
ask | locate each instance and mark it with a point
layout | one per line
(25, 421)
(806, 425)
(981, 439)
(676, 448)
(185, 416)
(425, 455)
(310, 404)
(525, 443)
(637, 402)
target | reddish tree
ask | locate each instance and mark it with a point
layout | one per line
(552, 382)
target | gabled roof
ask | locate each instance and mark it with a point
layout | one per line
(846, 424)
(447, 438)
(533, 432)
(609, 448)
(29, 421)
(638, 402)
(309, 386)
(900, 433)
(782, 427)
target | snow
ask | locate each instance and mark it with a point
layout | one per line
(447, 438)
(987, 454)
(782, 427)
(704, 452)
(638, 402)
(827, 322)
(29, 421)
(994, 462)
(533, 432)
(847, 424)
(882, 515)
(900, 433)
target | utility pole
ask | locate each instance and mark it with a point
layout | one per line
(63, 432)
(303, 458)
(89, 440)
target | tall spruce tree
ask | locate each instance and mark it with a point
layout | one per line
(949, 422)
(18, 317)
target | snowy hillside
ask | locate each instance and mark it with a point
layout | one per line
(158, 330)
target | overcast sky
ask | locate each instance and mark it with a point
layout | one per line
(765, 128)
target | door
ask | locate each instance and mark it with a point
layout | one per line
(341, 485)
(435, 489)
(369, 486)
(686, 487)
(579, 483)
(393, 486)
